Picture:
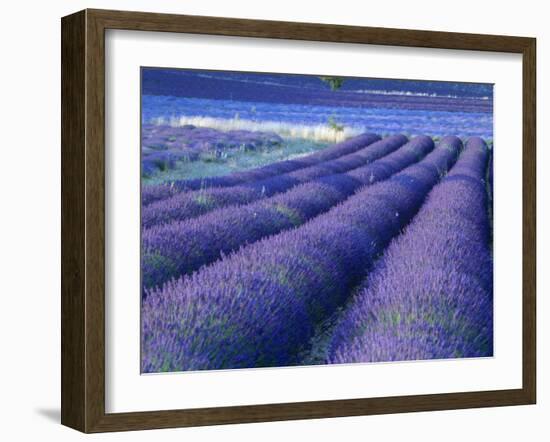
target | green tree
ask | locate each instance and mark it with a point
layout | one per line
(335, 83)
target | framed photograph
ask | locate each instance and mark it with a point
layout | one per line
(269, 220)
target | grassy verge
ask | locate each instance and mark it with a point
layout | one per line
(236, 161)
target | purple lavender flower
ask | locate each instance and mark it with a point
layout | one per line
(259, 306)
(154, 193)
(430, 296)
(186, 205)
(173, 249)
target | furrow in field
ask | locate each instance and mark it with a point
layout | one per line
(177, 248)
(154, 193)
(258, 306)
(430, 294)
(192, 204)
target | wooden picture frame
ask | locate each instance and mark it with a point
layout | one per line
(83, 220)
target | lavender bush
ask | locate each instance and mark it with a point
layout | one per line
(154, 193)
(188, 205)
(430, 295)
(258, 306)
(190, 143)
(181, 247)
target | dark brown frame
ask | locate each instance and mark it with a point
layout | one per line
(83, 216)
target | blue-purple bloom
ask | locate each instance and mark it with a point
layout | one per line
(186, 205)
(430, 296)
(181, 247)
(158, 192)
(260, 305)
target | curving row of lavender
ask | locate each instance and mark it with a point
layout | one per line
(260, 305)
(150, 194)
(430, 295)
(177, 248)
(189, 205)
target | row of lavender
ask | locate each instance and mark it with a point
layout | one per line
(187, 205)
(177, 248)
(159, 192)
(163, 146)
(430, 295)
(260, 305)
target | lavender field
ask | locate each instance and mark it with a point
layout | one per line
(301, 220)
